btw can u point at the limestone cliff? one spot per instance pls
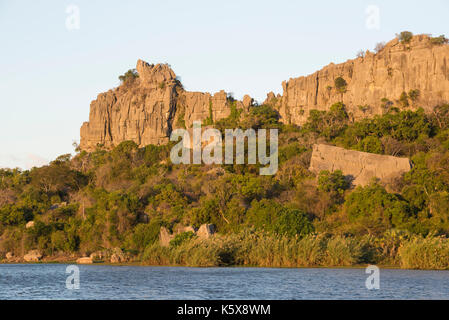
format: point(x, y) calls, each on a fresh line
point(360, 166)
point(397, 68)
point(148, 108)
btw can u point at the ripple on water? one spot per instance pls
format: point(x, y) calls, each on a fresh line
point(48, 281)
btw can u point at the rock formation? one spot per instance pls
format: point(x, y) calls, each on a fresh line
point(397, 68)
point(84, 260)
point(361, 167)
point(205, 231)
point(147, 109)
point(32, 256)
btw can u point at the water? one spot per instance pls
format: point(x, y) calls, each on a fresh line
point(48, 281)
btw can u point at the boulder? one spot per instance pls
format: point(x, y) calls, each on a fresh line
point(32, 256)
point(247, 102)
point(118, 256)
point(9, 256)
point(29, 224)
point(205, 231)
point(165, 237)
point(84, 260)
point(98, 255)
point(360, 167)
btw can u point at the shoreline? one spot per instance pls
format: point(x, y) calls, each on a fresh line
point(140, 264)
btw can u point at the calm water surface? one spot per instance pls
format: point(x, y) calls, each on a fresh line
point(48, 281)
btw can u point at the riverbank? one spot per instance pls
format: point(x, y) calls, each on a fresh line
point(255, 249)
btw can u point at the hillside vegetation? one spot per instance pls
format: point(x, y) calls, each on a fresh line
point(122, 197)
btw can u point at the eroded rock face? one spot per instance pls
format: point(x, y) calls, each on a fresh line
point(147, 109)
point(360, 166)
point(396, 69)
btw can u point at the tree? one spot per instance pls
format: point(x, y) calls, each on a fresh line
point(334, 182)
point(371, 144)
point(129, 76)
point(272, 217)
point(340, 84)
point(405, 36)
point(374, 210)
point(328, 124)
point(403, 99)
point(414, 95)
point(379, 47)
point(439, 40)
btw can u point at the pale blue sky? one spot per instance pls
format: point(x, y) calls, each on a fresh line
point(49, 74)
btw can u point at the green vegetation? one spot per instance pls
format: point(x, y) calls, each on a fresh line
point(340, 84)
point(405, 36)
point(122, 197)
point(439, 40)
point(129, 76)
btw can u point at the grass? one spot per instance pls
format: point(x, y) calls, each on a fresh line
point(250, 248)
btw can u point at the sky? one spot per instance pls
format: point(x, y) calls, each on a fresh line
point(57, 56)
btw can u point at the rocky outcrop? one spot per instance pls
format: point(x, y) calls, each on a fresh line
point(148, 108)
point(360, 167)
point(85, 260)
point(205, 231)
point(165, 237)
point(397, 68)
point(30, 224)
point(117, 255)
point(32, 256)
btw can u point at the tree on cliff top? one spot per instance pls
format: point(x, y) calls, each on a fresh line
point(130, 75)
point(405, 36)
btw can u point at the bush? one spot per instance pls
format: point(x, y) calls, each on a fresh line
point(379, 47)
point(439, 40)
point(272, 217)
point(129, 76)
point(182, 237)
point(145, 234)
point(414, 94)
point(403, 99)
point(340, 84)
point(425, 253)
point(405, 36)
point(371, 144)
point(332, 182)
point(375, 210)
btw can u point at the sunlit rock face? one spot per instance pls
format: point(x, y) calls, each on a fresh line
point(147, 109)
point(360, 167)
point(418, 65)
